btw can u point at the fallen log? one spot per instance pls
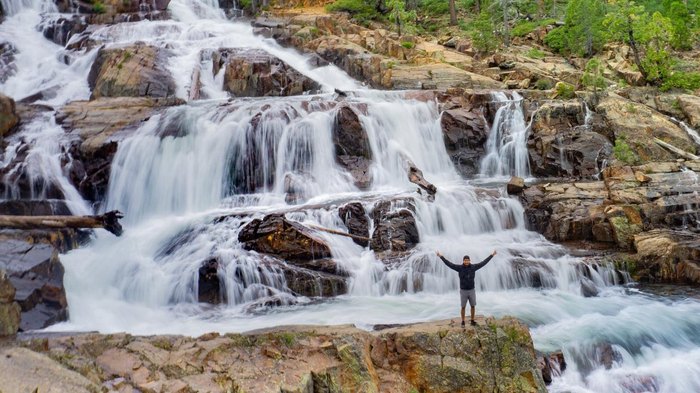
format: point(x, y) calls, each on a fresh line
point(335, 232)
point(108, 221)
point(415, 176)
point(677, 151)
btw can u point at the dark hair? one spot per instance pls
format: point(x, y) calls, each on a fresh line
point(466, 257)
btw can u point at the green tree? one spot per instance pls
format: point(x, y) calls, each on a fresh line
point(593, 76)
point(682, 21)
point(481, 32)
point(625, 23)
point(399, 15)
point(584, 26)
point(656, 35)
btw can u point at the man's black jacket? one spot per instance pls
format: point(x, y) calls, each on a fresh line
point(466, 273)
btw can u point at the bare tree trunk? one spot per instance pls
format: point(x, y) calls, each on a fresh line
point(635, 50)
point(108, 221)
point(506, 28)
point(453, 13)
point(477, 4)
point(540, 8)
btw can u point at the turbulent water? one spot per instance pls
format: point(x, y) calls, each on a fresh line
point(171, 189)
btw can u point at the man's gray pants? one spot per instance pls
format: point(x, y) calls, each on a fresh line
point(467, 294)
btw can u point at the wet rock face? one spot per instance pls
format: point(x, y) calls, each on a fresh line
point(8, 115)
point(355, 219)
point(278, 236)
point(112, 7)
point(256, 73)
point(37, 276)
point(394, 226)
point(562, 144)
point(465, 132)
point(7, 58)
point(134, 71)
point(427, 357)
point(60, 30)
point(351, 144)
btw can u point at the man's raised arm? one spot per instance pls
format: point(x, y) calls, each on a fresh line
point(446, 262)
point(483, 263)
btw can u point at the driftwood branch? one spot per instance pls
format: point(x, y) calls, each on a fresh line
point(675, 150)
point(108, 221)
point(333, 231)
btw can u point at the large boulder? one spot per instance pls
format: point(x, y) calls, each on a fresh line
point(465, 132)
point(37, 275)
point(355, 219)
point(690, 105)
point(257, 73)
point(668, 256)
point(352, 149)
point(395, 226)
point(8, 115)
point(637, 125)
point(137, 70)
point(276, 235)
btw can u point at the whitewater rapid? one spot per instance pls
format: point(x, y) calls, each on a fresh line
point(170, 186)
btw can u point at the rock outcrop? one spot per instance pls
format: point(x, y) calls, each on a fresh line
point(435, 356)
point(35, 272)
point(256, 73)
point(137, 70)
point(668, 256)
point(465, 132)
point(276, 235)
point(637, 125)
point(9, 309)
point(355, 219)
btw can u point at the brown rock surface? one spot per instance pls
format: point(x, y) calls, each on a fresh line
point(690, 105)
point(8, 115)
point(137, 70)
point(276, 235)
point(668, 256)
point(434, 356)
point(256, 73)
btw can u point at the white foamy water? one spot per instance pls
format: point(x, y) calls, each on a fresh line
point(192, 164)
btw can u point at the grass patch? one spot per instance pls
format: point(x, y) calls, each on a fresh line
point(408, 45)
point(535, 53)
point(623, 152)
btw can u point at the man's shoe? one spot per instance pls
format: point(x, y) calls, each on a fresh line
point(462, 323)
point(473, 322)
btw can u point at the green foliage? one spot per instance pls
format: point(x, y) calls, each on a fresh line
point(399, 16)
point(593, 76)
point(98, 8)
point(543, 84)
point(481, 32)
point(682, 80)
point(435, 7)
point(564, 90)
point(623, 152)
point(408, 44)
point(360, 10)
point(681, 19)
point(524, 28)
point(556, 40)
point(535, 53)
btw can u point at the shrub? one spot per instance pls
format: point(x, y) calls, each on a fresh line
point(543, 84)
point(682, 80)
point(524, 28)
point(564, 90)
point(535, 53)
point(408, 44)
point(98, 8)
point(481, 32)
point(623, 152)
point(359, 9)
point(435, 7)
point(556, 40)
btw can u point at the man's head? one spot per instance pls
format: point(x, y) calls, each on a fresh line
point(466, 260)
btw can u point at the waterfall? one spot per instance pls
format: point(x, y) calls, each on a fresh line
point(191, 177)
point(506, 147)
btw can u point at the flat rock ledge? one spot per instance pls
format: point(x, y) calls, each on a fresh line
point(496, 355)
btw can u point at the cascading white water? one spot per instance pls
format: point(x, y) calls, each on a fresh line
point(172, 185)
point(506, 147)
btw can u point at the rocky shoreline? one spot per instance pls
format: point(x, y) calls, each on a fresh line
point(440, 356)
